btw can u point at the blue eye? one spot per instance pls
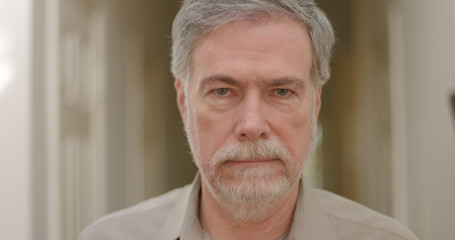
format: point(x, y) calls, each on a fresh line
point(282, 92)
point(222, 91)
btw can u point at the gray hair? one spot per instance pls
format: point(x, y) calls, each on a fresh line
point(197, 18)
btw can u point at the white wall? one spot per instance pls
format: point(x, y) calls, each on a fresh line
point(15, 109)
point(429, 72)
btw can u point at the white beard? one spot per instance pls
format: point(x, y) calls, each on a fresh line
point(250, 192)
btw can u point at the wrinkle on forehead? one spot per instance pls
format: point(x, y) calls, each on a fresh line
point(273, 82)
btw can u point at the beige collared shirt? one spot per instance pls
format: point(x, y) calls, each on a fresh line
point(319, 215)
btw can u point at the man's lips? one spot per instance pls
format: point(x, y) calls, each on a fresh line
point(252, 161)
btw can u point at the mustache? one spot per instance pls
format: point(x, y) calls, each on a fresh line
point(261, 149)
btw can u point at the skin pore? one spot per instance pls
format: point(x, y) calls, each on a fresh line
point(250, 84)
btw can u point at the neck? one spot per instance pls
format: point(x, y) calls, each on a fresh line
point(221, 224)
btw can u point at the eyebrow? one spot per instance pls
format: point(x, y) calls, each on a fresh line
point(288, 80)
point(220, 78)
point(281, 81)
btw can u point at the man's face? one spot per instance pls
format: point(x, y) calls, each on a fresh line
point(250, 109)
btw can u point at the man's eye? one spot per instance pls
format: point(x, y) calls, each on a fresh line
point(282, 92)
point(222, 91)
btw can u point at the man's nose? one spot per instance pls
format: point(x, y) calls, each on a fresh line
point(252, 121)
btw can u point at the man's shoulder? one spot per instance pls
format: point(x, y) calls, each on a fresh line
point(143, 219)
point(352, 220)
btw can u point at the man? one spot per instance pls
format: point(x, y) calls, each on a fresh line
point(249, 75)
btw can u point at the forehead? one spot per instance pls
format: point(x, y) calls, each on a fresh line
point(255, 48)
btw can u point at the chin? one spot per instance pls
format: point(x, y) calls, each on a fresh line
point(249, 193)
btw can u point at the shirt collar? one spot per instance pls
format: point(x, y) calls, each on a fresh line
point(310, 219)
point(184, 215)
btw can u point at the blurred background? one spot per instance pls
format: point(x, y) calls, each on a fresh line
point(89, 123)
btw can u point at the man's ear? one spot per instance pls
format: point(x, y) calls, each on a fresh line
point(318, 100)
point(181, 98)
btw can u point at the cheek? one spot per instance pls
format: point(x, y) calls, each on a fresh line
point(296, 132)
point(210, 131)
